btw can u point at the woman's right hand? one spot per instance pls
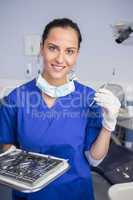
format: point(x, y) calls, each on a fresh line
point(7, 148)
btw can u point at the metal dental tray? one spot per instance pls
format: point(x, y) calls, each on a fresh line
point(28, 171)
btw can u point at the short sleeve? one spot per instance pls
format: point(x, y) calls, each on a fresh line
point(94, 125)
point(8, 119)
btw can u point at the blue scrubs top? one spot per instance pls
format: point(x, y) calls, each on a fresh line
point(66, 130)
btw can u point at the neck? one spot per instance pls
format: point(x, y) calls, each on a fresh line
point(55, 82)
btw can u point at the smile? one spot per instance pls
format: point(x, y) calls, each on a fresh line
point(57, 67)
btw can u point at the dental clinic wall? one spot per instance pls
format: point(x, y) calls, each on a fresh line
point(99, 53)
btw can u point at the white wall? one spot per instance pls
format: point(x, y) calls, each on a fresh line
point(99, 53)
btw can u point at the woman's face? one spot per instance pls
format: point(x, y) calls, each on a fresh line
point(59, 52)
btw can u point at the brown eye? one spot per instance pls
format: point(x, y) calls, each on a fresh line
point(70, 52)
point(51, 48)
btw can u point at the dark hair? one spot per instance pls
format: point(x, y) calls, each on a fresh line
point(64, 23)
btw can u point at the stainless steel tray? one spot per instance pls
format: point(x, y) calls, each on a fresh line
point(28, 171)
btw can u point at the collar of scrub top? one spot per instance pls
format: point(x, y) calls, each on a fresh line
point(55, 91)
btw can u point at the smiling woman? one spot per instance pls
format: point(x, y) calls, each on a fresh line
point(59, 50)
point(51, 115)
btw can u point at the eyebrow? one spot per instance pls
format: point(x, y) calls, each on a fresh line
point(58, 46)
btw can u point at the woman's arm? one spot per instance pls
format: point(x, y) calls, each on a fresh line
point(110, 107)
point(100, 147)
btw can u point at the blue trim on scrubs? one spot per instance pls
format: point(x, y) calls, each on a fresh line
point(65, 130)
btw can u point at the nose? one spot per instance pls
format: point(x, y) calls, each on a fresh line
point(60, 58)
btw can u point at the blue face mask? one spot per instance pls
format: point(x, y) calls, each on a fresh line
point(54, 91)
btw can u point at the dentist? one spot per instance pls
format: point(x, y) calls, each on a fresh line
point(53, 115)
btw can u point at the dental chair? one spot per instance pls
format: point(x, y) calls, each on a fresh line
point(114, 175)
point(122, 191)
point(117, 167)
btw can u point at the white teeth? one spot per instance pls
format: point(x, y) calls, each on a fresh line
point(57, 68)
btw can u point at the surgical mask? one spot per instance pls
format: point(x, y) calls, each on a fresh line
point(54, 91)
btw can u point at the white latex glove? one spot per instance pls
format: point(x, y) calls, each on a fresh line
point(111, 105)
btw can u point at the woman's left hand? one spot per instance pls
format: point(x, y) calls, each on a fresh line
point(111, 105)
